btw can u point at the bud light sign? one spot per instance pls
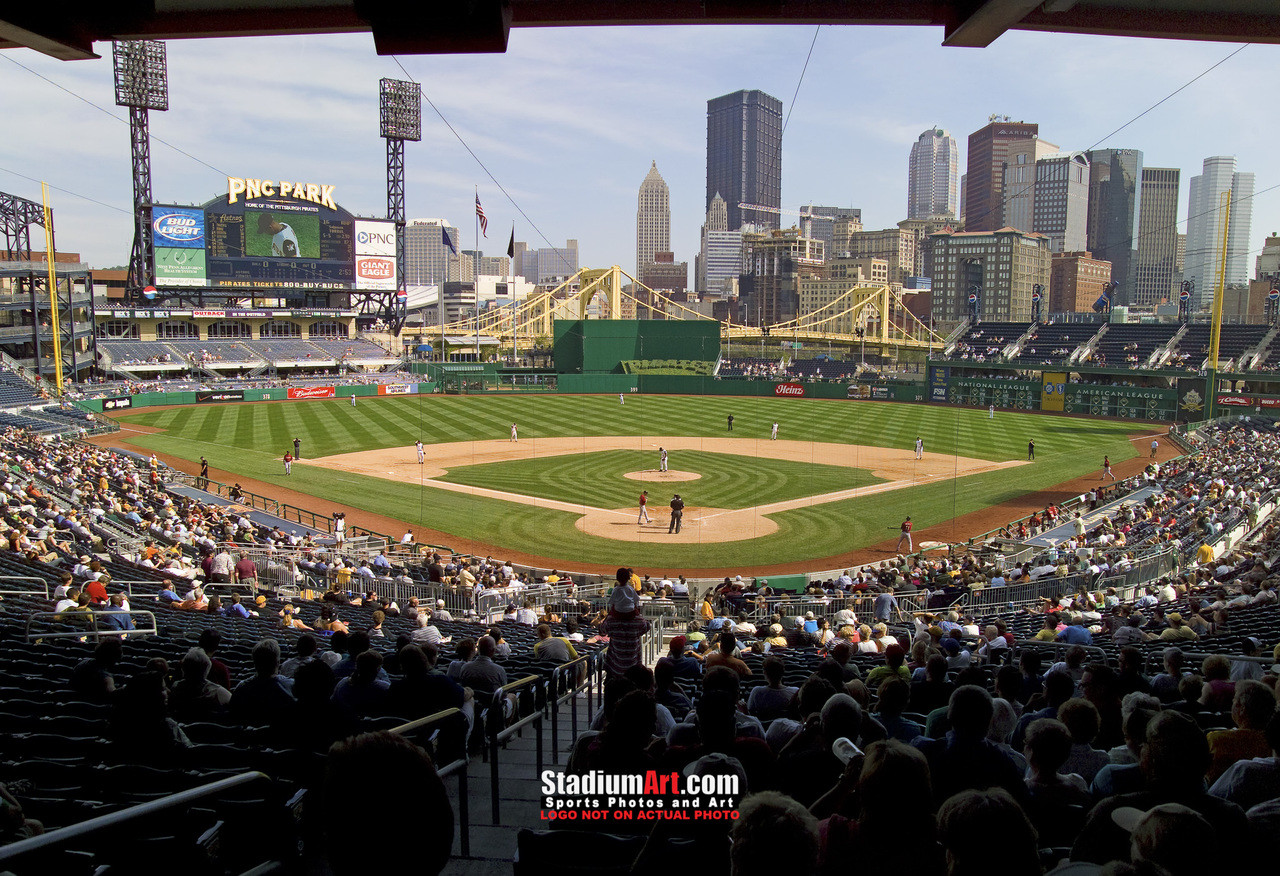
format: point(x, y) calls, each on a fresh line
point(176, 227)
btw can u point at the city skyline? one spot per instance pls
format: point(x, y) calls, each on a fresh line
point(567, 146)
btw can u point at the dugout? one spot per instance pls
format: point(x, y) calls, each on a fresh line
point(601, 346)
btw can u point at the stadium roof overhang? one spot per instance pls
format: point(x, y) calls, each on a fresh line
point(68, 29)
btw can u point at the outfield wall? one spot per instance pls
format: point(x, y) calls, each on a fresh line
point(113, 404)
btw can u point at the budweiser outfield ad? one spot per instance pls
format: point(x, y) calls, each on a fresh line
point(311, 392)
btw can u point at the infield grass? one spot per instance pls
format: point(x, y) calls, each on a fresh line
point(251, 438)
point(597, 479)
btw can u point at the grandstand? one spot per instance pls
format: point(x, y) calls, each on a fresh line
point(1189, 544)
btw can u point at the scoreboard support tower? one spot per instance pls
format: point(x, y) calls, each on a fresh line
point(141, 84)
point(400, 111)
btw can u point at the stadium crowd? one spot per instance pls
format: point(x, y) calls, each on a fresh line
point(1133, 733)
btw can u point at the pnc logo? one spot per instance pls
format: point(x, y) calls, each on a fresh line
point(376, 269)
point(375, 237)
point(793, 390)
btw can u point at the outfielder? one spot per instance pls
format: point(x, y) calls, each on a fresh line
point(773, 433)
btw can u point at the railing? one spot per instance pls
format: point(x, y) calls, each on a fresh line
point(499, 731)
point(90, 629)
point(39, 587)
point(1060, 649)
point(456, 767)
point(567, 680)
point(180, 800)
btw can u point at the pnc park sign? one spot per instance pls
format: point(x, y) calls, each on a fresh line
point(253, 189)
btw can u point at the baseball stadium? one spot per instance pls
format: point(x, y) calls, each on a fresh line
point(310, 568)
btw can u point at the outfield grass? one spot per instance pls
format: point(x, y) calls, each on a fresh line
point(596, 479)
point(251, 439)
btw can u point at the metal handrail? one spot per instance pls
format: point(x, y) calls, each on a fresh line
point(92, 629)
point(458, 767)
point(142, 810)
point(41, 590)
point(499, 736)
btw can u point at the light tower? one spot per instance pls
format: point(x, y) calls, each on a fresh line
point(400, 110)
point(142, 84)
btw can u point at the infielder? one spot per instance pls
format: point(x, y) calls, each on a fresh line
point(514, 436)
point(919, 448)
point(422, 456)
point(773, 433)
point(906, 536)
point(644, 507)
point(662, 459)
point(288, 462)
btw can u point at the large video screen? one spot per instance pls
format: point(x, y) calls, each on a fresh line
point(271, 243)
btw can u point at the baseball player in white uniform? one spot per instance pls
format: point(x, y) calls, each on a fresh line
point(422, 456)
point(662, 459)
point(514, 436)
point(919, 448)
point(773, 434)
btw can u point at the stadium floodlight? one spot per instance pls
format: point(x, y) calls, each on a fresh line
point(401, 109)
point(142, 78)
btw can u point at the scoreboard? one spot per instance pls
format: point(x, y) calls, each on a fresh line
point(272, 243)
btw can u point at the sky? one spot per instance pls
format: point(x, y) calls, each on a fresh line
point(568, 121)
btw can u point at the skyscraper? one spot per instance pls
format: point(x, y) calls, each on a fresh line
point(1157, 236)
point(744, 156)
point(719, 261)
point(1061, 201)
point(820, 222)
point(1018, 201)
point(653, 219)
point(1204, 227)
point(427, 261)
point(932, 187)
point(984, 183)
point(1115, 208)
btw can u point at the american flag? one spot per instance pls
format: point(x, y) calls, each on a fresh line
point(484, 223)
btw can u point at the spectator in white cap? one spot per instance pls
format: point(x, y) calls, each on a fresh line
point(440, 613)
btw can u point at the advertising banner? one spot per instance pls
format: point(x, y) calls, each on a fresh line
point(310, 392)
point(176, 266)
point(178, 227)
point(375, 255)
point(939, 376)
point(394, 389)
point(789, 390)
point(1250, 401)
point(224, 395)
point(117, 404)
point(1054, 392)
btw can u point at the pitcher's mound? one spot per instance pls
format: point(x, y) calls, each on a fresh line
point(699, 524)
point(654, 475)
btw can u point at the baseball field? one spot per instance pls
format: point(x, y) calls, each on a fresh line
point(840, 476)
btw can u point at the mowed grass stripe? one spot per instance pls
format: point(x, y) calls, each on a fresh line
point(803, 533)
point(597, 479)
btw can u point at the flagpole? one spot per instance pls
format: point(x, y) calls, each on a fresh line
point(475, 278)
point(515, 304)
